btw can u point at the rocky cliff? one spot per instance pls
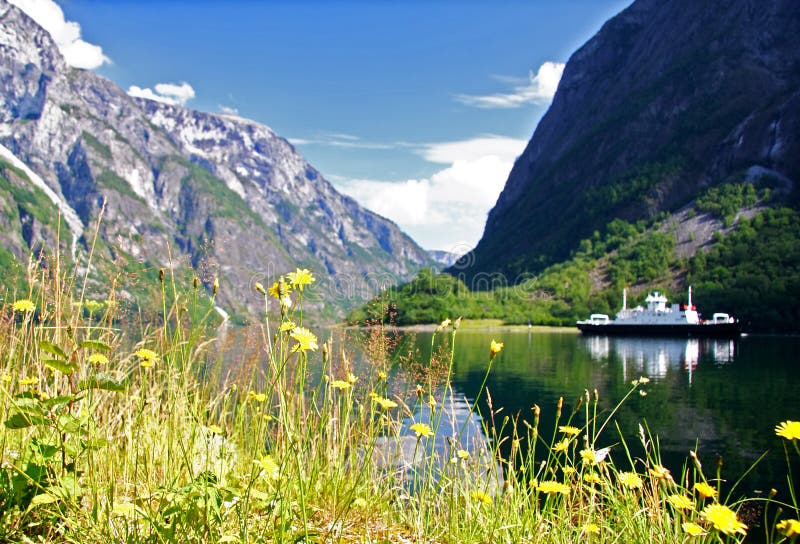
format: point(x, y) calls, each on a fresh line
point(175, 187)
point(667, 100)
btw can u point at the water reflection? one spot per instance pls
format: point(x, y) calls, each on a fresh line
point(655, 357)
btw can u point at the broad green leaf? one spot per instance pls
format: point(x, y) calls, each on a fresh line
point(60, 400)
point(43, 498)
point(102, 381)
point(53, 349)
point(95, 443)
point(60, 365)
point(100, 346)
point(22, 421)
point(69, 424)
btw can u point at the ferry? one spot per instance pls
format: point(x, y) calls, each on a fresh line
point(658, 319)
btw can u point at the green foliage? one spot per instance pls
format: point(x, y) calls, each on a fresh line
point(754, 272)
point(113, 181)
point(725, 201)
point(102, 149)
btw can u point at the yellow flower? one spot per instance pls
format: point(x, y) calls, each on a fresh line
point(789, 430)
point(422, 429)
point(591, 478)
point(662, 473)
point(692, 529)
point(481, 497)
point(569, 430)
point(495, 348)
point(592, 457)
point(631, 480)
point(463, 454)
point(592, 528)
point(123, 509)
point(216, 429)
point(306, 340)
point(552, 486)
point(382, 375)
point(300, 278)
point(145, 354)
point(259, 287)
point(681, 502)
point(568, 470)
point(93, 305)
point(705, 490)
point(723, 519)
point(98, 358)
point(257, 397)
point(563, 445)
point(269, 466)
point(23, 305)
point(287, 326)
point(275, 289)
point(7, 378)
point(359, 503)
point(789, 527)
point(351, 378)
point(384, 403)
point(340, 384)
point(29, 381)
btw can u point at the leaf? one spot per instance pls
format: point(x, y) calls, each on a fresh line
point(99, 346)
point(95, 443)
point(102, 381)
point(69, 424)
point(60, 400)
point(43, 498)
point(60, 365)
point(52, 349)
point(22, 421)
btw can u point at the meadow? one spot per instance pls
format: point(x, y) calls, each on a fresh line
point(118, 430)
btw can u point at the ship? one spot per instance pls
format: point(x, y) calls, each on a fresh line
point(658, 319)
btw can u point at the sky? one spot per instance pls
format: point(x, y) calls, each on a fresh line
point(417, 109)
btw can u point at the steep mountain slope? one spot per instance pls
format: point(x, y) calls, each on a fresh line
point(224, 195)
point(668, 99)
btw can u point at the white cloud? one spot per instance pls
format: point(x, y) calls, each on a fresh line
point(338, 139)
point(448, 209)
point(228, 110)
point(66, 34)
point(169, 93)
point(539, 89)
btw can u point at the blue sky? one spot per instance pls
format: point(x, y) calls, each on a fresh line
point(415, 108)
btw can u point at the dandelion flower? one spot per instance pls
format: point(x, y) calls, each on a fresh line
point(789, 430)
point(591, 478)
point(98, 358)
point(568, 470)
point(7, 378)
point(257, 397)
point(463, 454)
point(481, 497)
point(23, 305)
point(552, 487)
point(351, 378)
point(592, 528)
point(341, 384)
point(300, 278)
point(29, 381)
point(692, 529)
point(681, 502)
point(147, 355)
point(631, 480)
point(382, 375)
point(287, 326)
point(495, 347)
point(723, 519)
point(277, 289)
point(789, 527)
point(562, 445)
point(270, 468)
point(384, 403)
point(704, 490)
point(569, 430)
point(592, 457)
point(422, 429)
point(306, 340)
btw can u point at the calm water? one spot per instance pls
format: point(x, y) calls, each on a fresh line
point(720, 397)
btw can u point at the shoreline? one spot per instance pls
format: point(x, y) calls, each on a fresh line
point(475, 325)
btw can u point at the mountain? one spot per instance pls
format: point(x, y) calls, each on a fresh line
point(444, 258)
point(667, 100)
point(144, 185)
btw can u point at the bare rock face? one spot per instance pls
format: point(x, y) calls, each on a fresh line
point(666, 100)
point(223, 195)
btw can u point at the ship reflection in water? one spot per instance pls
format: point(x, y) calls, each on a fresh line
point(654, 357)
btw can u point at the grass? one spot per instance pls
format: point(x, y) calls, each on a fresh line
point(165, 436)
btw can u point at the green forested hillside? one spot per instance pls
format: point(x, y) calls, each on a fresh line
point(753, 272)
